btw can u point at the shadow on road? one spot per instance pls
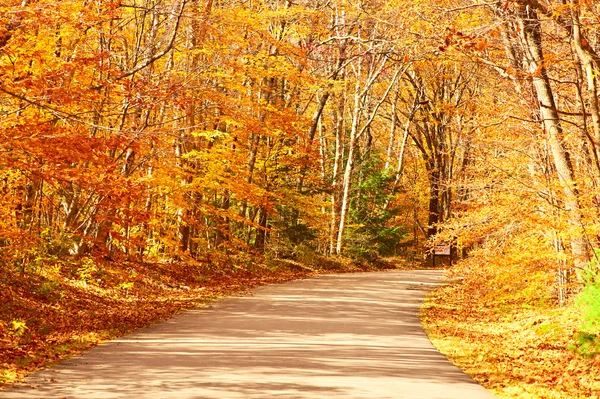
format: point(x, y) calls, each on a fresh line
point(341, 336)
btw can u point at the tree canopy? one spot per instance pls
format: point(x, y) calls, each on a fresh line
point(165, 131)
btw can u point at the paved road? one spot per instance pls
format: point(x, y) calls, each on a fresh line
point(336, 336)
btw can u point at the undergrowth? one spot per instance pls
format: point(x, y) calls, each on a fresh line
point(587, 340)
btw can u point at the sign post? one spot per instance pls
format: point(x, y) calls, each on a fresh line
point(442, 252)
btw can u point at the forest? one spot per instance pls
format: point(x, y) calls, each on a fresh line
point(156, 153)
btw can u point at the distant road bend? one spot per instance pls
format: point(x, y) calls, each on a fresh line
point(335, 336)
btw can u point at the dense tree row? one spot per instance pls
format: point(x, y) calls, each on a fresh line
point(174, 129)
point(181, 129)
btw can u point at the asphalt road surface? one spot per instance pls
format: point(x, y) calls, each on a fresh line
point(334, 336)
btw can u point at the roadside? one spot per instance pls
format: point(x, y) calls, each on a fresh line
point(514, 351)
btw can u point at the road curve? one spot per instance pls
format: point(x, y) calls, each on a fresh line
point(333, 336)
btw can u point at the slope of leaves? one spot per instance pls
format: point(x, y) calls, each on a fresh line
point(517, 351)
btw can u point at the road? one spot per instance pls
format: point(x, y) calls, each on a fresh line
point(333, 336)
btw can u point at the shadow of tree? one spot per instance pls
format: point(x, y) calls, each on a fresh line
point(343, 336)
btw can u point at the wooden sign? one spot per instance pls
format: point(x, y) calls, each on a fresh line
point(442, 249)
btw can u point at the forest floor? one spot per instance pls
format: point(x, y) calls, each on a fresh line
point(53, 312)
point(514, 351)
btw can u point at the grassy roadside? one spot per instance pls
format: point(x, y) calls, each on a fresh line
point(516, 352)
point(49, 314)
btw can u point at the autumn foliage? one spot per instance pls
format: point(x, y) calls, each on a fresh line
point(206, 136)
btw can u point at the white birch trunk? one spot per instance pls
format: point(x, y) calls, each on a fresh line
point(530, 36)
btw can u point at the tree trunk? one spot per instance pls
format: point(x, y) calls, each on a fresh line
point(349, 168)
point(531, 39)
point(338, 118)
point(261, 233)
